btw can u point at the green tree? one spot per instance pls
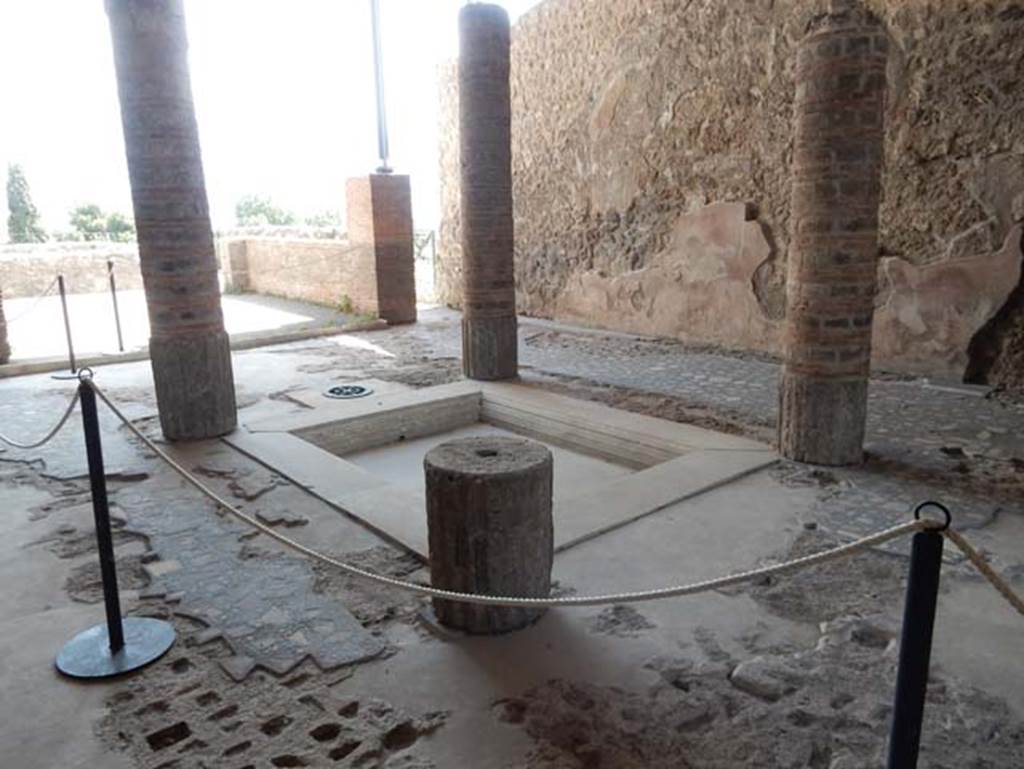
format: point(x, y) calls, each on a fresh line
point(328, 218)
point(90, 222)
point(120, 228)
point(256, 211)
point(22, 218)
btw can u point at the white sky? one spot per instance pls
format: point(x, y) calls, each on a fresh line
point(283, 91)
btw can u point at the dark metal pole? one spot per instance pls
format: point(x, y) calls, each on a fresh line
point(123, 645)
point(915, 649)
point(378, 78)
point(67, 322)
point(101, 515)
point(113, 296)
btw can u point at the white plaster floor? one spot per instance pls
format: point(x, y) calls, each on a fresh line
point(36, 330)
point(401, 464)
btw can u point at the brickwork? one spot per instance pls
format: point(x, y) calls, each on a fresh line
point(489, 349)
point(189, 348)
point(831, 282)
point(379, 216)
point(327, 272)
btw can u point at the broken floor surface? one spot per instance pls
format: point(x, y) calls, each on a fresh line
point(749, 677)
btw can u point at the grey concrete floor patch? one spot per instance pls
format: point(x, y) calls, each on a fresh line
point(26, 413)
point(856, 502)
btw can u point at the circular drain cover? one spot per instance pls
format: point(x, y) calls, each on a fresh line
point(344, 392)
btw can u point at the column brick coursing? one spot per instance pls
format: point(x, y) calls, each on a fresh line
point(489, 342)
point(831, 281)
point(379, 220)
point(189, 348)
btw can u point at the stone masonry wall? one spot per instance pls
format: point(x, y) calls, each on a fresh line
point(331, 271)
point(27, 270)
point(652, 145)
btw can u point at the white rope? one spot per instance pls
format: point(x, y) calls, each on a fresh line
point(490, 600)
point(34, 304)
point(53, 431)
point(976, 558)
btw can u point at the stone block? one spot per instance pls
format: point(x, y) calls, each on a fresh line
point(489, 524)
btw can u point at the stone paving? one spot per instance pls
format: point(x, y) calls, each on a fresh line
point(265, 609)
point(903, 414)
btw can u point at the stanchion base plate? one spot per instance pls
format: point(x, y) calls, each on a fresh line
point(87, 655)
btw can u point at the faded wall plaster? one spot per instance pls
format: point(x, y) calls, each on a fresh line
point(707, 264)
point(631, 116)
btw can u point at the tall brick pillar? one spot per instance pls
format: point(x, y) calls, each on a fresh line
point(837, 159)
point(188, 346)
point(379, 218)
point(5, 347)
point(489, 343)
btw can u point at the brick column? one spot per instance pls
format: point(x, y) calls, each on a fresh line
point(489, 343)
point(188, 346)
point(830, 290)
point(379, 220)
point(5, 347)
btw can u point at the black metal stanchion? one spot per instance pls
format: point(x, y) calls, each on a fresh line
point(67, 322)
point(113, 296)
point(916, 643)
point(120, 645)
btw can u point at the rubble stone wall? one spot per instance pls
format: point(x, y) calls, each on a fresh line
point(329, 271)
point(27, 270)
point(652, 148)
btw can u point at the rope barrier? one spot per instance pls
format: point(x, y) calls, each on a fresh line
point(637, 596)
point(979, 562)
point(34, 304)
point(593, 600)
point(841, 551)
point(53, 431)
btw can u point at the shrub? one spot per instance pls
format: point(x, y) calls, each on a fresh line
point(89, 222)
point(256, 211)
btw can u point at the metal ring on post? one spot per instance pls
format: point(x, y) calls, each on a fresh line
point(83, 374)
point(940, 506)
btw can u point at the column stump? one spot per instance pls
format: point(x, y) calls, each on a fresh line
point(490, 529)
